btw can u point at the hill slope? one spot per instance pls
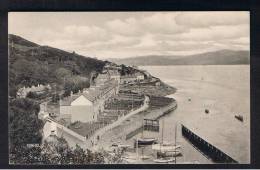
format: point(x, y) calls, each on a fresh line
point(32, 64)
point(222, 57)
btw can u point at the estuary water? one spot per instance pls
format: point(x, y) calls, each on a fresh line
point(222, 89)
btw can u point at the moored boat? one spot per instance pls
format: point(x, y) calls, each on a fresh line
point(145, 141)
point(239, 117)
point(163, 160)
point(165, 147)
point(169, 153)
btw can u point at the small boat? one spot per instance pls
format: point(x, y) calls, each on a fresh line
point(123, 146)
point(144, 157)
point(130, 159)
point(165, 148)
point(239, 117)
point(169, 153)
point(164, 160)
point(206, 111)
point(145, 141)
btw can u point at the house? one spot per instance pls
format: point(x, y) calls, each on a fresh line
point(112, 66)
point(107, 75)
point(127, 79)
point(102, 78)
point(53, 130)
point(147, 75)
point(85, 106)
point(77, 107)
point(114, 74)
point(139, 76)
point(130, 78)
point(39, 89)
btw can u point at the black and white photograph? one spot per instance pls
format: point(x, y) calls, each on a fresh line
point(129, 87)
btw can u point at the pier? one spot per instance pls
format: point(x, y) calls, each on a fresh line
point(151, 125)
point(154, 116)
point(210, 151)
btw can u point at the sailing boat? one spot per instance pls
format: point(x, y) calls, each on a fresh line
point(167, 150)
point(165, 146)
point(143, 140)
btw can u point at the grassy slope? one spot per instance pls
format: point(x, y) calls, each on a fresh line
point(30, 64)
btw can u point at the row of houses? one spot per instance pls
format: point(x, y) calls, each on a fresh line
point(86, 105)
point(114, 74)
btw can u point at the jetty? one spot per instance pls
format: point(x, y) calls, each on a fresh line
point(152, 115)
point(207, 149)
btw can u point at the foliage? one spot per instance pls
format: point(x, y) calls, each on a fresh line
point(56, 152)
point(31, 64)
point(25, 127)
point(38, 96)
point(75, 84)
point(127, 70)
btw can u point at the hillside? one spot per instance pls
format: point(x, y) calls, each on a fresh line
point(32, 64)
point(221, 57)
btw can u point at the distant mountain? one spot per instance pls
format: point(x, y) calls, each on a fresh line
point(221, 57)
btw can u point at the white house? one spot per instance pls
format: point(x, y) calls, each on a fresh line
point(139, 76)
point(52, 129)
point(77, 108)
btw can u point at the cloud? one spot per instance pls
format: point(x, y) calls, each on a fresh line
point(130, 26)
point(208, 19)
point(140, 33)
point(157, 23)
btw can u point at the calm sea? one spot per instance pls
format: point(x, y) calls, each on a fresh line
point(222, 89)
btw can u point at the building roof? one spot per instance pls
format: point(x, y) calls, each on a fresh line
point(103, 76)
point(92, 93)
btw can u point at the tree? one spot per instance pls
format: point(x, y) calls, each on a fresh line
point(25, 127)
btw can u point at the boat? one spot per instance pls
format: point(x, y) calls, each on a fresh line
point(120, 145)
point(143, 157)
point(130, 159)
point(123, 146)
point(165, 148)
point(239, 117)
point(164, 160)
point(145, 141)
point(169, 153)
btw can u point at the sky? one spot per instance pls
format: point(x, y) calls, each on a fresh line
point(130, 34)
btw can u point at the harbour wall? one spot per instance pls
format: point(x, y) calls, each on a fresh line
point(206, 148)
